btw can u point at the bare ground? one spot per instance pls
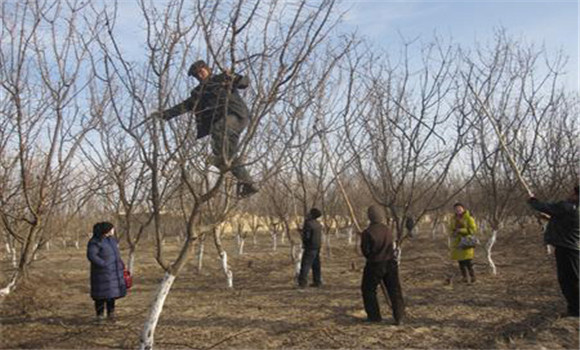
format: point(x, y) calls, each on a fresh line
point(518, 308)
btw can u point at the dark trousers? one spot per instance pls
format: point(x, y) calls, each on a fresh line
point(225, 135)
point(100, 306)
point(310, 260)
point(466, 267)
point(567, 266)
point(388, 273)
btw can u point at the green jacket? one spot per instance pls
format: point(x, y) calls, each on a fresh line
point(458, 228)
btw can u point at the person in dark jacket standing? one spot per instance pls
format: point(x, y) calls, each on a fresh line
point(220, 112)
point(378, 248)
point(311, 242)
point(562, 232)
point(107, 282)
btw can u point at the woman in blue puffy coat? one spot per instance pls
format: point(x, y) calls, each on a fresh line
point(107, 282)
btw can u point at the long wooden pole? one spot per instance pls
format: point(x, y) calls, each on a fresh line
point(502, 142)
point(347, 200)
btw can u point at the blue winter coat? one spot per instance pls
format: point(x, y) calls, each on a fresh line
point(107, 280)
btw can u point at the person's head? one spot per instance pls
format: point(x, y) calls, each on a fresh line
point(376, 214)
point(200, 70)
point(459, 208)
point(314, 213)
point(103, 229)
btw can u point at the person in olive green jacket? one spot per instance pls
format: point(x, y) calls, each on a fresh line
point(462, 228)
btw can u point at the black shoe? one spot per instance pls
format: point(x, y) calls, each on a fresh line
point(374, 320)
point(245, 190)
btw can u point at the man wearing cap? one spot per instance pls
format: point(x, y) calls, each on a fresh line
point(311, 242)
point(378, 248)
point(562, 232)
point(220, 112)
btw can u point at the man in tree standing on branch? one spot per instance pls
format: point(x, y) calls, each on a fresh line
point(311, 242)
point(563, 233)
point(377, 246)
point(220, 112)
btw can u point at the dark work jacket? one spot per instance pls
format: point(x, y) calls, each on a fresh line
point(377, 243)
point(107, 280)
point(212, 100)
point(311, 234)
point(562, 230)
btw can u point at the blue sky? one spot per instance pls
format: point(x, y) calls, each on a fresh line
point(553, 23)
point(550, 23)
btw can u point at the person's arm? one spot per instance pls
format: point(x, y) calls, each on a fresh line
point(552, 209)
point(241, 81)
point(93, 255)
point(366, 244)
point(306, 234)
point(471, 226)
point(183, 107)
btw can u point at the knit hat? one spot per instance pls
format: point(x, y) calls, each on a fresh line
point(195, 67)
point(376, 214)
point(102, 228)
point(315, 213)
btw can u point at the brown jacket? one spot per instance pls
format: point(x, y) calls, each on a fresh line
point(377, 243)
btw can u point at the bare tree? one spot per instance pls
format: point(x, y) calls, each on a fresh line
point(42, 76)
point(508, 85)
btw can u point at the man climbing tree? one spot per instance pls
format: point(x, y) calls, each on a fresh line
point(220, 112)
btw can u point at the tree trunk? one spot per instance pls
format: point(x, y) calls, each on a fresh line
point(200, 250)
point(241, 246)
point(6, 290)
point(224, 258)
point(327, 244)
point(297, 265)
point(274, 241)
point(488, 245)
point(146, 339)
point(131, 264)
point(350, 234)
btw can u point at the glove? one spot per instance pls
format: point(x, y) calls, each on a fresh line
point(156, 115)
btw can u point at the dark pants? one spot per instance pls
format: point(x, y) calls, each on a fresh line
point(100, 306)
point(466, 267)
point(310, 260)
point(567, 266)
point(388, 273)
point(225, 135)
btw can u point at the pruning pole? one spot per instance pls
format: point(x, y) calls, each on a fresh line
point(502, 143)
point(347, 201)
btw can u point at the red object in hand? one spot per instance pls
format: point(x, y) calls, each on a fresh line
point(128, 278)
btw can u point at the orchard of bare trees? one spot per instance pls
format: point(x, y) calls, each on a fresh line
point(336, 123)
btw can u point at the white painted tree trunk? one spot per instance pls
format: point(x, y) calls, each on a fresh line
point(131, 265)
point(14, 258)
point(328, 246)
point(200, 250)
point(241, 246)
point(488, 247)
point(254, 240)
point(146, 339)
point(226, 269)
point(274, 241)
point(548, 249)
point(77, 244)
point(6, 290)
point(297, 265)
point(350, 234)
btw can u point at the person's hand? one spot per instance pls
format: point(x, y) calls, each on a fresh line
point(156, 115)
